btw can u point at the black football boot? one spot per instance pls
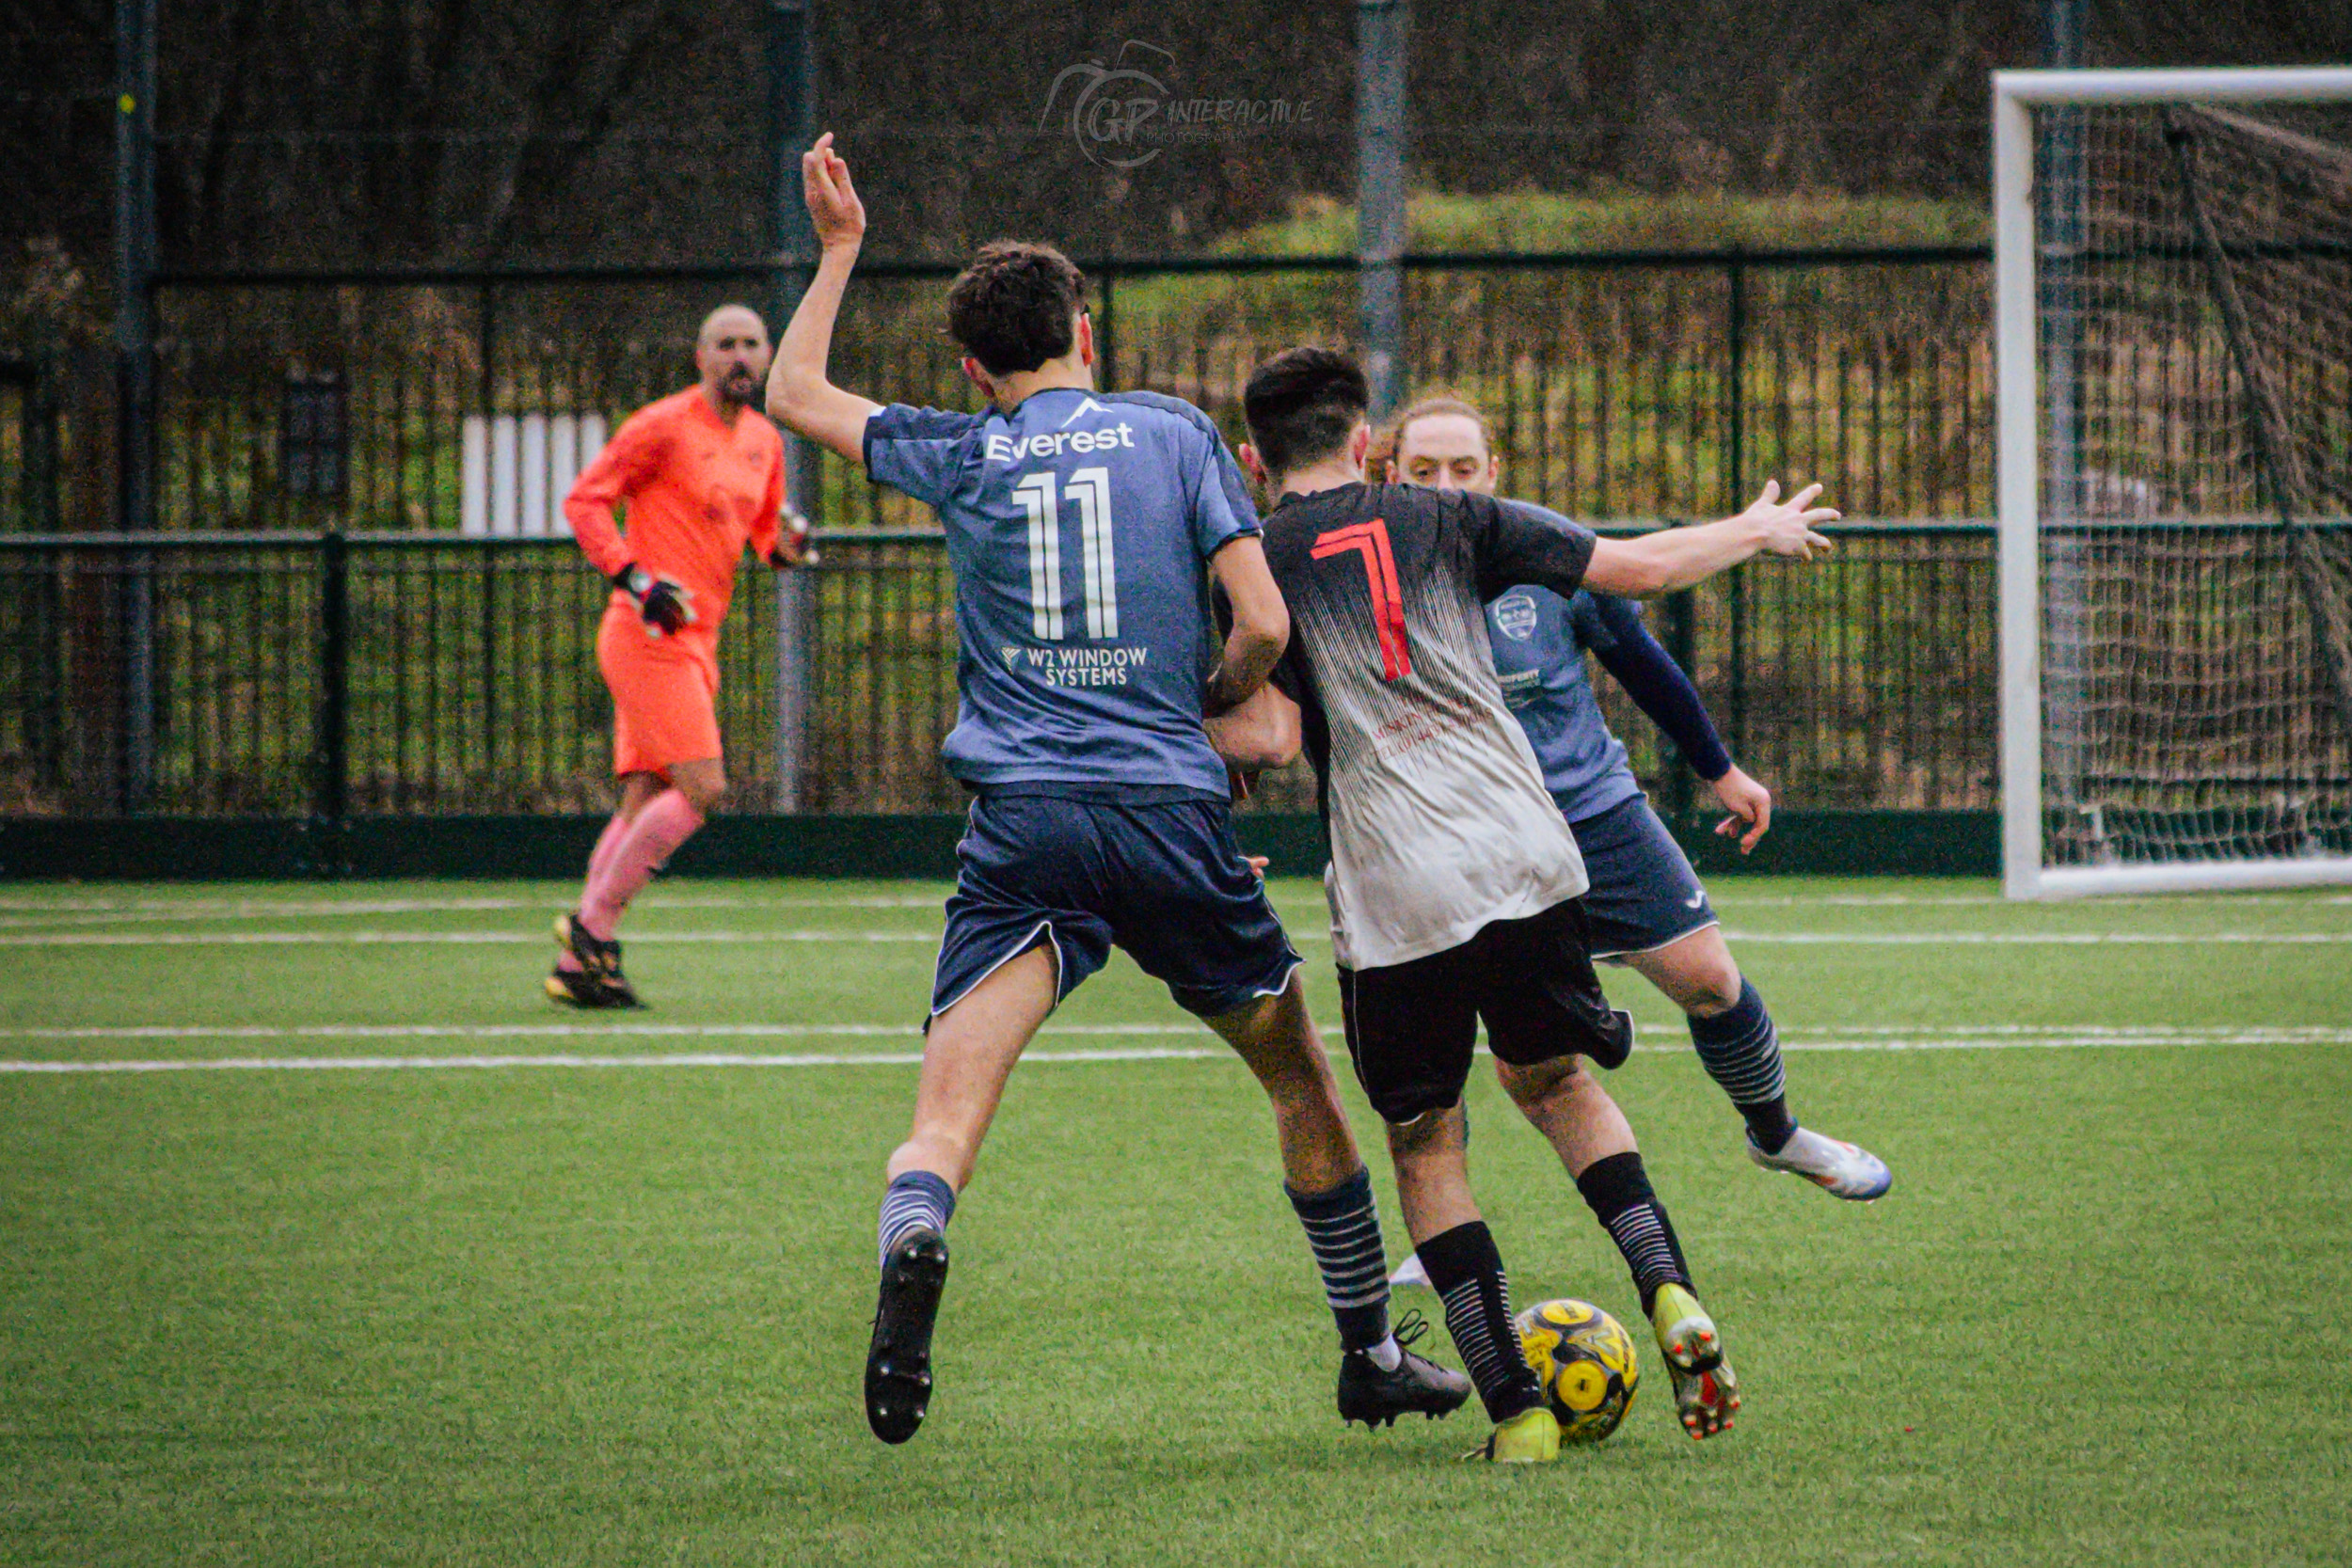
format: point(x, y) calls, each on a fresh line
point(1377, 1398)
point(899, 1362)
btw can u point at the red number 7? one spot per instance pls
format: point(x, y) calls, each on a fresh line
point(1371, 541)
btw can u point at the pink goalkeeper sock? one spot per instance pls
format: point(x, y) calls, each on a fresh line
point(667, 822)
point(599, 861)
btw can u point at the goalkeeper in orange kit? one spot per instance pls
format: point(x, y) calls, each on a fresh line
point(700, 475)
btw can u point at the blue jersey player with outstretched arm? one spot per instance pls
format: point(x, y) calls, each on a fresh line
point(1646, 905)
point(1083, 529)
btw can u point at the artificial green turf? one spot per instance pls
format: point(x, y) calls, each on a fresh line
point(616, 1315)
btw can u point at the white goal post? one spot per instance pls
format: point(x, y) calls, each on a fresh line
point(2173, 342)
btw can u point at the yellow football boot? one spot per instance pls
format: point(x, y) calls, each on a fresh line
point(1707, 1391)
point(1530, 1437)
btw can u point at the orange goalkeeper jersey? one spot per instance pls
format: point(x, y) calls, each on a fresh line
point(697, 492)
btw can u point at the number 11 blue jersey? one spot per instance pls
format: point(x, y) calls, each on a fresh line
point(1079, 529)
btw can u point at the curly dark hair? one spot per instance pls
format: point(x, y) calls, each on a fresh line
point(1302, 405)
point(1011, 308)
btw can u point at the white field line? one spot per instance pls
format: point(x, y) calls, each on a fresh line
point(2058, 1039)
point(21, 911)
point(18, 913)
point(460, 938)
point(568, 1059)
point(931, 938)
point(2036, 939)
point(1834, 1036)
point(548, 1031)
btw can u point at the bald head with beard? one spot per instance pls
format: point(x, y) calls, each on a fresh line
point(731, 354)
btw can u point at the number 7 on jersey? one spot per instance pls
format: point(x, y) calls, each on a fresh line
point(1371, 541)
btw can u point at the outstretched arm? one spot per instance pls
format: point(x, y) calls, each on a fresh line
point(1658, 685)
point(799, 395)
point(1674, 558)
point(1661, 688)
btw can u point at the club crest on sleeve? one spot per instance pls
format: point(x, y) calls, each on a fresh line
point(1514, 616)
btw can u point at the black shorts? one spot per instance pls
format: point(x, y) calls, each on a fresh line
point(1411, 1028)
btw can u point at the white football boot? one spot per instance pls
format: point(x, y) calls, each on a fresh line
point(1410, 1272)
point(1841, 1169)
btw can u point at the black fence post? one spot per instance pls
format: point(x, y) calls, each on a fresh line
point(792, 242)
point(1735, 478)
point(37, 437)
point(332, 800)
point(490, 656)
point(1106, 330)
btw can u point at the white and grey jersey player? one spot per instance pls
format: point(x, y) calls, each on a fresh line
point(1439, 820)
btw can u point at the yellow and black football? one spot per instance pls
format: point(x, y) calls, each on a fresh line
point(1587, 1364)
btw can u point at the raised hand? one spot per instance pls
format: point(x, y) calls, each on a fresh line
point(834, 206)
point(1787, 526)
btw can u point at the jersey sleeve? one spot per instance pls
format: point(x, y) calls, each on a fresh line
point(916, 451)
point(1221, 509)
point(1516, 542)
point(1596, 619)
point(768, 521)
point(626, 462)
point(1613, 629)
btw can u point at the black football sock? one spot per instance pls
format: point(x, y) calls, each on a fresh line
point(1741, 1051)
point(1466, 1271)
point(1619, 1192)
point(1342, 1228)
point(916, 1201)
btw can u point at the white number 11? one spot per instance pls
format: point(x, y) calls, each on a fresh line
point(1089, 491)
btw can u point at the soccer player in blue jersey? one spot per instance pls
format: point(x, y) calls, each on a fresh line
point(1646, 906)
point(1083, 528)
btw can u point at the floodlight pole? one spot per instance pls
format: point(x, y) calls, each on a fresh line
point(134, 383)
point(792, 245)
point(1380, 226)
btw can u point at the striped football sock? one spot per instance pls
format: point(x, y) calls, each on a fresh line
point(1619, 1192)
point(916, 1201)
point(1343, 1229)
point(1466, 1271)
point(1741, 1050)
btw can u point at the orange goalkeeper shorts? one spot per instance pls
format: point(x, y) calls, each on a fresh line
point(664, 694)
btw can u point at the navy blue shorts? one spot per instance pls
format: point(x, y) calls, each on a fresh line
point(1166, 882)
point(1644, 894)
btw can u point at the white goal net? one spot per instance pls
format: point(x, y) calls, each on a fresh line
point(2176, 328)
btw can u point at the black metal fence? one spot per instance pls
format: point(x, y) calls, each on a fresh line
point(344, 607)
point(30, 438)
point(332, 676)
point(1627, 384)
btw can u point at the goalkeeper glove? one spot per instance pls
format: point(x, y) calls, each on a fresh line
point(666, 604)
point(792, 545)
